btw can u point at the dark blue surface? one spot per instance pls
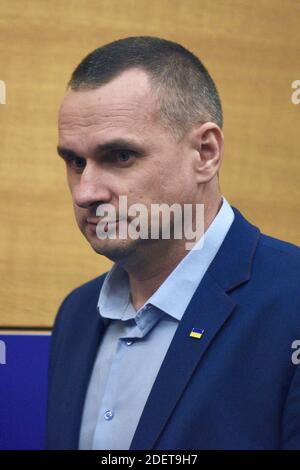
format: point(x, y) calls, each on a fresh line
point(23, 391)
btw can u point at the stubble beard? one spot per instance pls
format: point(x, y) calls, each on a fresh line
point(116, 250)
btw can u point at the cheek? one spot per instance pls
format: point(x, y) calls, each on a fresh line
point(79, 214)
point(174, 183)
point(71, 186)
point(164, 183)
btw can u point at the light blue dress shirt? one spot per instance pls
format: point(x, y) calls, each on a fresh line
point(135, 342)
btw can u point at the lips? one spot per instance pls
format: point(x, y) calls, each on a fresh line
point(93, 220)
point(96, 220)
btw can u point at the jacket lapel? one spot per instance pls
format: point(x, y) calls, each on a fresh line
point(80, 349)
point(209, 309)
point(83, 359)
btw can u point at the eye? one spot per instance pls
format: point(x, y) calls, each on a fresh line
point(124, 155)
point(77, 163)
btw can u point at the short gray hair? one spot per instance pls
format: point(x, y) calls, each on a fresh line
point(186, 93)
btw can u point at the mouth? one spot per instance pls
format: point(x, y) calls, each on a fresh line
point(103, 225)
point(97, 220)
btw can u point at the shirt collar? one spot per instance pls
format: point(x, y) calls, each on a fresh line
point(175, 293)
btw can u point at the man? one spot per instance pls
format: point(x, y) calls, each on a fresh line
point(174, 348)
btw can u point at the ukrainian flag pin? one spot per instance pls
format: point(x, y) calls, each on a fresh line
point(196, 333)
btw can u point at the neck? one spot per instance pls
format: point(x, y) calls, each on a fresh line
point(150, 270)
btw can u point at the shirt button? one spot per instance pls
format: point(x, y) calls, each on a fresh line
point(129, 343)
point(108, 415)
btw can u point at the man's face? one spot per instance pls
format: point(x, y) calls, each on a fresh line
point(114, 144)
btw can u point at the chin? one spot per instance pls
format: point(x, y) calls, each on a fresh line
point(115, 250)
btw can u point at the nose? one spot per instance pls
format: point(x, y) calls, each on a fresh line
point(91, 188)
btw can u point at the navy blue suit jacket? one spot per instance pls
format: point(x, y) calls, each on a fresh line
point(236, 388)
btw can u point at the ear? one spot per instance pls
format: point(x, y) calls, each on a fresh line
point(207, 141)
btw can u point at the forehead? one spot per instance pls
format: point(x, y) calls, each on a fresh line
point(124, 105)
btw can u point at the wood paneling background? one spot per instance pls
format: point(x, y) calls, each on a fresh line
point(251, 48)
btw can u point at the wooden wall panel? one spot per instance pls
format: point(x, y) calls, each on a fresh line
point(252, 49)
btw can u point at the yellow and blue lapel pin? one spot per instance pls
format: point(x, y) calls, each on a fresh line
point(196, 333)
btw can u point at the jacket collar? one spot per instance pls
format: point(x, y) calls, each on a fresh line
point(232, 265)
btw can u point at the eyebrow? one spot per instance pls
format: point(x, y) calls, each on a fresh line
point(116, 144)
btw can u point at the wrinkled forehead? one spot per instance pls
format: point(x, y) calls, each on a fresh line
point(125, 102)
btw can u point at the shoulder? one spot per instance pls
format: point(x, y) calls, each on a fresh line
point(276, 272)
point(80, 301)
point(280, 246)
point(265, 247)
point(274, 264)
point(279, 252)
point(85, 292)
